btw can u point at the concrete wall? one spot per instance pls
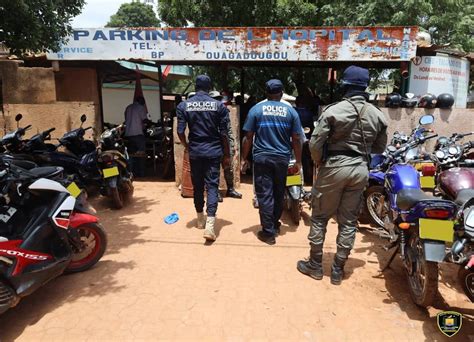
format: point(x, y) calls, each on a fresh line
point(76, 84)
point(179, 151)
point(115, 100)
point(62, 115)
point(27, 85)
point(447, 121)
point(48, 99)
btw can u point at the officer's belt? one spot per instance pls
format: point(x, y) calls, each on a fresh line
point(347, 153)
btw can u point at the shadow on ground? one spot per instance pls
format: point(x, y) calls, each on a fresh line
point(96, 282)
point(398, 292)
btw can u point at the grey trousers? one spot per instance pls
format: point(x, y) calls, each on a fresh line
point(337, 191)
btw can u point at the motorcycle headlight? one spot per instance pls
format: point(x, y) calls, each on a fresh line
point(453, 150)
point(469, 219)
point(440, 154)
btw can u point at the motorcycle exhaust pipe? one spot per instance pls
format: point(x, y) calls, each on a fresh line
point(458, 246)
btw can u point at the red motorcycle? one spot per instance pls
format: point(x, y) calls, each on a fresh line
point(455, 181)
point(44, 232)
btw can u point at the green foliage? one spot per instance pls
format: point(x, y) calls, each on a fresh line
point(36, 25)
point(134, 14)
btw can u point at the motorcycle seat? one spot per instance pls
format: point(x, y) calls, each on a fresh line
point(407, 198)
point(464, 196)
point(46, 171)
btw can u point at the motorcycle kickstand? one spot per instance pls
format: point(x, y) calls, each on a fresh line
point(392, 257)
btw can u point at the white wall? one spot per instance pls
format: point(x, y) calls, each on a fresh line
point(115, 100)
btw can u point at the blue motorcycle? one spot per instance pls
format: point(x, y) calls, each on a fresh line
point(418, 225)
point(375, 209)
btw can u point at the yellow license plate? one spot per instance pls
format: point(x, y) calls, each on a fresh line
point(110, 172)
point(294, 180)
point(436, 229)
point(427, 182)
point(73, 190)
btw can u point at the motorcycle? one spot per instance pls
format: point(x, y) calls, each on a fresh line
point(113, 161)
point(162, 135)
point(374, 208)
point(42, 233)
point(455, 182)
point(417, 225)
point(103, 170)
point(295, 194)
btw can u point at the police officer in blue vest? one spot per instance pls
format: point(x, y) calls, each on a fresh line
point(276, 127)
point(207, 120)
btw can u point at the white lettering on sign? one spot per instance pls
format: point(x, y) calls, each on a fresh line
point(275, 110)
point(201, 106)
point(252, 44)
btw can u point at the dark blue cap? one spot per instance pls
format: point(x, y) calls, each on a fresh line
point(355, 75)
point(274, 86)
point(203, 82)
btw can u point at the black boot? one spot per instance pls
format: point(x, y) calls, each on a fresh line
point(337, 269)
point(232, 193)
point(219, 197)
point(314, 266)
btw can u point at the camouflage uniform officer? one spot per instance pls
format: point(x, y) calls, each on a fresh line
point(337, 146)
point(229, 170)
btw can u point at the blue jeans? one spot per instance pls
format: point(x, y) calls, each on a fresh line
point(270, 181)
point(205, 175)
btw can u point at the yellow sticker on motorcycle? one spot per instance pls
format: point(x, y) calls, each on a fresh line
point(73, 190)
point(439, 230)
point(111, 172)
point(427, 182)
point(294, 180)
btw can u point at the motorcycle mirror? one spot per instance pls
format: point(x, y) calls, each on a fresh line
point(409, 95)
point(426, 119)
point(18, 117)
point(83, 118)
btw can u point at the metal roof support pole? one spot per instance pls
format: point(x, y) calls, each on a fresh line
point(160, 90)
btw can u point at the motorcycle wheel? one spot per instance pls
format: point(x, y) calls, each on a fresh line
point(93, 245)
point(422, 275)
point(117, 198)
point(466, 278)
point(375, 206)
point(295, 211)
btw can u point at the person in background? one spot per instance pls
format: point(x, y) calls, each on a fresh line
point(307, 121)
point(136, 116)
point(229, 170)
point(345, 135)
point(277, 130)
point(208, 145)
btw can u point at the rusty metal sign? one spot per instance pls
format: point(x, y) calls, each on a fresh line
point(249, 44)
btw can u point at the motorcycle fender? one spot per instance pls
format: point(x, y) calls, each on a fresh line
point(434, 251)
point(295, 192)
point(78, 219)
point(112, 182)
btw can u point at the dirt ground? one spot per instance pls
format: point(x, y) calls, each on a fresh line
point(160, 281)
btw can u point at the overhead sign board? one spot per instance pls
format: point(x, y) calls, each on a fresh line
point(440, 74)
point(249, 44)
